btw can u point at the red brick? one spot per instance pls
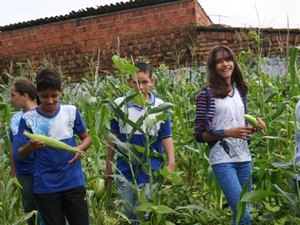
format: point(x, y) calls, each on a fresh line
point(148, 31)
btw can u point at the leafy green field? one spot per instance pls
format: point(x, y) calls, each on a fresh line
point(194, 196)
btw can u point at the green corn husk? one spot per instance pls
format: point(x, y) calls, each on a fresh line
point(251, 120)
point(50, 142)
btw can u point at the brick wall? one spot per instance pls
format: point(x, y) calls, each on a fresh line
point(69, 43)
point(169, 33)
point(273, 42)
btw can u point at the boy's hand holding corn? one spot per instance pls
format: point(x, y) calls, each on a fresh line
point(76, 157)
point(35, 144)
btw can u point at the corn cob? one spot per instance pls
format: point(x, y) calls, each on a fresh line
point(56, 144)
point(251, 120)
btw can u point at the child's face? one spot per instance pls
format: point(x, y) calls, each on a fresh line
point(49, 99)
point(16, 99)
point(142, 83)
point(224, 65)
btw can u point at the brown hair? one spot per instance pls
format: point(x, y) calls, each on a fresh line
point(24, 86)
point(215, 82)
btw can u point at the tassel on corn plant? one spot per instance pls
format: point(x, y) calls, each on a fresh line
point(53, 143)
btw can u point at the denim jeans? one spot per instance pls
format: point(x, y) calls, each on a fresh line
point(28, 198)
point(232, 177)
point(130, 198)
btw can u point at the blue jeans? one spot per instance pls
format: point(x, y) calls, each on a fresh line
point(131, 201)
point(232, 177)
point(28, 198)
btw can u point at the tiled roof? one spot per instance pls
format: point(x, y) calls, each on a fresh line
point(100, 10)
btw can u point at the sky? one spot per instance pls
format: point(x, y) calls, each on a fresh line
point(235, 13)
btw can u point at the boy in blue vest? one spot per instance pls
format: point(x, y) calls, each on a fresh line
point(59, 183)
point(142, 83)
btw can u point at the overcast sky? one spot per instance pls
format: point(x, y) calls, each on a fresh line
point(236, 13)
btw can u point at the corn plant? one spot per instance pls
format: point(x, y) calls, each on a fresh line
point(195, 198)
point(273, 149)
point(137, 154)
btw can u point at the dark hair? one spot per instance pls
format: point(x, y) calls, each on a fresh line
point(24, 86)
point(144, 67)
point(215, 82)
point(48, 79)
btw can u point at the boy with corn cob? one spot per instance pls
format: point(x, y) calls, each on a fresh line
point(59, 183)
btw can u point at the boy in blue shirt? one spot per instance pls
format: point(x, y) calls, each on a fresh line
point(23, 95)
point(142, 83)
point(59, 183)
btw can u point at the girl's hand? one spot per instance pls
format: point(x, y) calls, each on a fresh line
point(239, 132)
point(261, 125)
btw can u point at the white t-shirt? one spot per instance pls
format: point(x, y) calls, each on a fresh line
point(229, 113)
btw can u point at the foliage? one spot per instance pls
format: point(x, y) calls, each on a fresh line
point(193, 197)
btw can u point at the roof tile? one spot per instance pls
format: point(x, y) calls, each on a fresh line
point(90, 11)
